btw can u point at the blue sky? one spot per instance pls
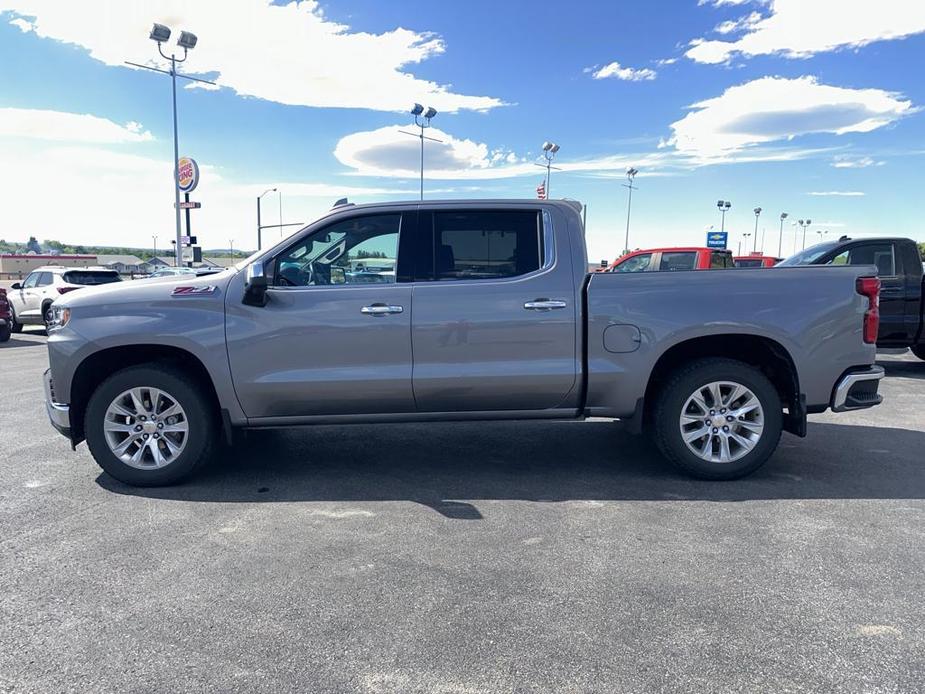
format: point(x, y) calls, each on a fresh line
point(806, 106)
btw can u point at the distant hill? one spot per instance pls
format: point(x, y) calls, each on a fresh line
point(52, 246)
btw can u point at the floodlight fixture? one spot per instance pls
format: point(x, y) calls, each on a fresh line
point(187, 40)
point(784, 215)
point(417, 110)
point(554, 148)
point(547, 146)
point(159, 33)
point(757, 211)
point(430, 112)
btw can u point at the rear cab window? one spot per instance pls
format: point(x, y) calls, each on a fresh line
point(881, 255)
point(720, 260)
point(677, 260)
point(90, 277)
point(455, 245)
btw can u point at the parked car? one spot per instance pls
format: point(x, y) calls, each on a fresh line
point(6, 316)
point(756, 260)
point(492, 315)
point(31, 298)
point(902, 292)
point(672, 259)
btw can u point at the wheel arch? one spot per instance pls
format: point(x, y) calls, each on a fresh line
point(764, 353)
point(97, 367)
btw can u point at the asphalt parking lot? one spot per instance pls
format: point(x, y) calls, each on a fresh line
point(476, 557)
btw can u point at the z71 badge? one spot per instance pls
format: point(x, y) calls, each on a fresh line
point(193, 291)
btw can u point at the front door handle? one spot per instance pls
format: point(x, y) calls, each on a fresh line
point(381, 309)
point(544, 304)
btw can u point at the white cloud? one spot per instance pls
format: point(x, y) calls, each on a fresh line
point(733, 25)
point(837, 194)
point(844, 161)
point(772, 109)
point(289, 53)
point(628, 74)
point(729, 3)
point(661, 62)
point(70, 127)
point(801, 28)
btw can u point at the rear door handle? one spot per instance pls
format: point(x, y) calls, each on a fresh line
point(381, 309)
point(544, 304)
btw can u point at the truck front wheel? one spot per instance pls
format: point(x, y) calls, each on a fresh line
point(919, 351)
point(149, 426)
point(717, 419)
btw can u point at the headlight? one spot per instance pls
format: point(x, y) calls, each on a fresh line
point(58, 317)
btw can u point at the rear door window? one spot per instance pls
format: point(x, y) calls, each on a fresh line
point(680, 260)
point(31, 280)
point(45, 279)
point(638, 263)
point(91, 277)
point(482, 245)
point(879, 254)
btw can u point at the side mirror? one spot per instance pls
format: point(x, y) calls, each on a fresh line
point(255, 287)
point(16, 285)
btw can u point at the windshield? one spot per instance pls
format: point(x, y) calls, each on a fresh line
point(809, 255)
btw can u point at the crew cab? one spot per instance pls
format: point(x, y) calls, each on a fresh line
point(672, 259)
point(490, 314)
point(902, 292)
point(755, 260)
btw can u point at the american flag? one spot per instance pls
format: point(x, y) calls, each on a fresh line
point(541, 190)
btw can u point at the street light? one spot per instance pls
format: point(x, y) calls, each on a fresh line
point(723, 206)
point(259, 226)
point(808, 222)
point(757, 212)
point(422, 119)
point(630, 175)
point(155, 245)
point(745, 239)
point(780, 240)
point(187, 41)
point(549, 153)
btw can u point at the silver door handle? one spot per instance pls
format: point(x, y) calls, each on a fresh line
point(381, 310)
point(544, 304)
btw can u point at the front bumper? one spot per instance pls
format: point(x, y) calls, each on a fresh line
point(58, 413)
point(857, 390)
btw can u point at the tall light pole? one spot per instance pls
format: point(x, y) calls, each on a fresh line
point(187, 41)
point(822, 235)
point(757, 212)
point(549, 153)
point(259, 225)
point(155, 245)
point(231, 247)
point(780, 240)
point(723, 206)
point(280, 193)
point(630, 175)
point(808, 222)
point(422, 118)
point(745, 239)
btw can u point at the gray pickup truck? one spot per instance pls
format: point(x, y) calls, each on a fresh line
point(456, 311)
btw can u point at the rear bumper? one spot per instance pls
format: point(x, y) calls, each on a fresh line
point(58, 413)
point(857, 390)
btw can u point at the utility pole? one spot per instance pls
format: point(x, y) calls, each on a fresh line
point(630, 176)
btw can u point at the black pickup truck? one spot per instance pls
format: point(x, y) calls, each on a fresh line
point(902, 293)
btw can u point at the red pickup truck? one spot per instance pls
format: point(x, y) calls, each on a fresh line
point(672, 259)
point(6, 318)
point(756, 260)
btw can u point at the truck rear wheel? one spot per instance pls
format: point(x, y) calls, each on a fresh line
point(149, 426)
point(15, 325)
point(718, 419)
point(919, 351)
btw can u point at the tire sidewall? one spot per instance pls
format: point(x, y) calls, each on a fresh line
point(196, 406)
point(15, 325)
point(5, 332)
point(673, 399)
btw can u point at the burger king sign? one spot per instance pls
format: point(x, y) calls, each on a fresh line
point(187, 174)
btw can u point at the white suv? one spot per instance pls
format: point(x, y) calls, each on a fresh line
point(31, 298)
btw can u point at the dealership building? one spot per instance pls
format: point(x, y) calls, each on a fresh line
point(15, 266)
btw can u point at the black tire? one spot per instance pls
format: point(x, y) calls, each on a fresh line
point(15, 325)
point(46, 307)
point(919, 351)
point(5, 332)
point(671, 399)
point(200, 416)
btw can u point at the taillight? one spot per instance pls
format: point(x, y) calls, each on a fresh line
point(870, 287)
point(65, 290)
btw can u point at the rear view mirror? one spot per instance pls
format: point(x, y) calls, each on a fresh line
point(16, 285)
point(255, 287)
